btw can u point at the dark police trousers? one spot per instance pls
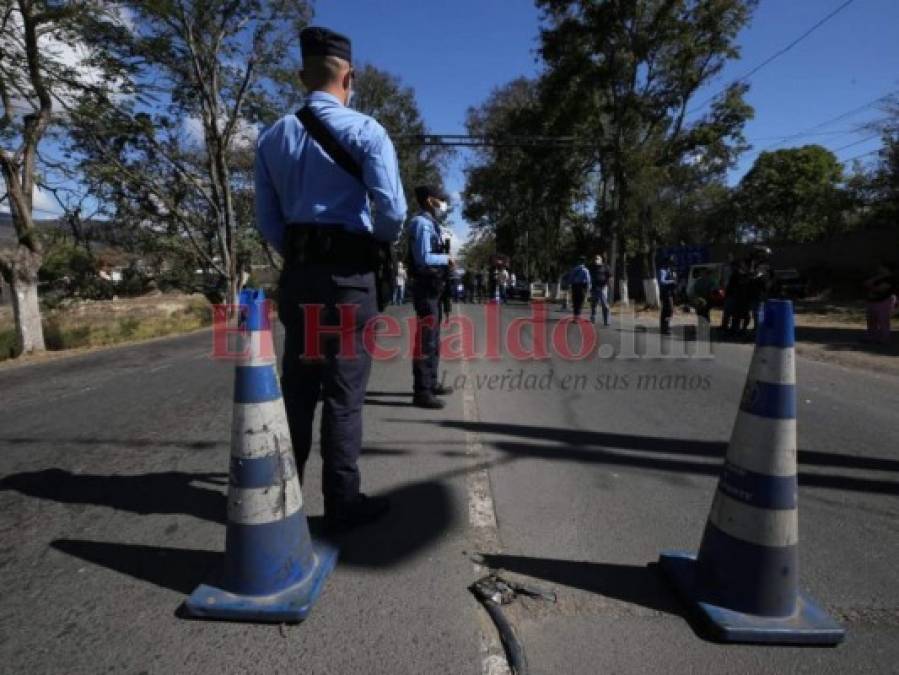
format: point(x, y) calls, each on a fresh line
point(667, 308)
point(429, 309)
point(578, 294)
point(339, 380)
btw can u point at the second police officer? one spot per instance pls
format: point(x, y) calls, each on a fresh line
point(430, 264)
point(316, 172)
point(667, 289)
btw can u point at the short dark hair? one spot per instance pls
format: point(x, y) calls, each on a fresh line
point(320, 71)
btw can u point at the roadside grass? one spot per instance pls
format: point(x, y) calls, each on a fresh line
point(100, 324)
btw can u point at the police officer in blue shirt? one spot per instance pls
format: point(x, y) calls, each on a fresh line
point(315, 181)
point(580, 286)
point(430, 263)
point(667, 289)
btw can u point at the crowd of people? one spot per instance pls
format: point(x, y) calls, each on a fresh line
point(740, 287)
point(489, 284)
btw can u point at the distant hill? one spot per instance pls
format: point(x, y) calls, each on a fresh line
point(96, 229)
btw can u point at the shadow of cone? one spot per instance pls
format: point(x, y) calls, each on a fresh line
point(745, 580)
point(273, 571)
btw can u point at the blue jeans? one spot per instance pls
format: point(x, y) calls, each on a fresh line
point(399, 294)
point(599, 296)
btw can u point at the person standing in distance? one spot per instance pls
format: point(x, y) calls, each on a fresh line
point(429, 267)
point(667, 288)
point(599, 289)
point(316, 212)
point(580, 286)
point(399, 289)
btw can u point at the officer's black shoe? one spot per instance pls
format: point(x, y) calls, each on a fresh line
point(442, 390)
point(428, 401)
point(362, 511)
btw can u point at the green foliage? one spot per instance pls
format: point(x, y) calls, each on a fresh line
point(177, 173)
point(793, 195)
point(128, 327)
point(523, 200)
point(620, 77)
point(9, 345)
point(65, 260)
point(875, 192)
point(475, 253)
point(71, 271)
point(59, 338)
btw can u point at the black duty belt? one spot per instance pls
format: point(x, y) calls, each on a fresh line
point(318, 244)
point(430, 271)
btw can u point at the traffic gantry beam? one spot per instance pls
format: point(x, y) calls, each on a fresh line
point(485, 141)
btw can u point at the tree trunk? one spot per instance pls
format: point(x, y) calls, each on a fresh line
point(613, 262)
point(22, 278)
point(622, 284)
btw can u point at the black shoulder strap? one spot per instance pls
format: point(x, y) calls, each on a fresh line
point(332, 147)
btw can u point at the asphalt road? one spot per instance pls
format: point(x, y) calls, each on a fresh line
point(113, 470)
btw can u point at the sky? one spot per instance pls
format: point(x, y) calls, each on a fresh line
point(453, 54)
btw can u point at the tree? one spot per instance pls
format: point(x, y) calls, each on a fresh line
point(882, 185)
point(624, 74)
point(475, 253)
point(524, 196)
point(166, 160)
point(49, 53)
point(793, 195)
point(382, 95)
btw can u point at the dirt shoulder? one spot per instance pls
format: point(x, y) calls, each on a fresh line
point(829, 331)
point(87, 326)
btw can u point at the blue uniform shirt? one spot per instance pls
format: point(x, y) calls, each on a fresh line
point(667, 278)
point(424, 240)
point(297, 182)
point(580, 275)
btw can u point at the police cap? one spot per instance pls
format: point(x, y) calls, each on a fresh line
point(422, 192)
point(318, 41)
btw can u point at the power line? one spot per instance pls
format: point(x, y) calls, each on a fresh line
point(866, 154)
point(864, 140)
point(841, 132)
point(487, 141)
point(812, 131)
point(828, 122)
point(774, 56)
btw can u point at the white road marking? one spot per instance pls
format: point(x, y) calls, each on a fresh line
point(482, 518)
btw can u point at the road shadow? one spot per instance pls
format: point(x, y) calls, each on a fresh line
point(845, 339)
point(169, 492)
point(666, 464)
point(577, 442)
point(629, 583)
point(178, 569)
point(120, 442)
point(388, 404)
point(420, 515)
point(385, 452)
point(399, 394)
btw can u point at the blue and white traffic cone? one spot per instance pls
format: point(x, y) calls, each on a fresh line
point(745, 580)
point(273, 571)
